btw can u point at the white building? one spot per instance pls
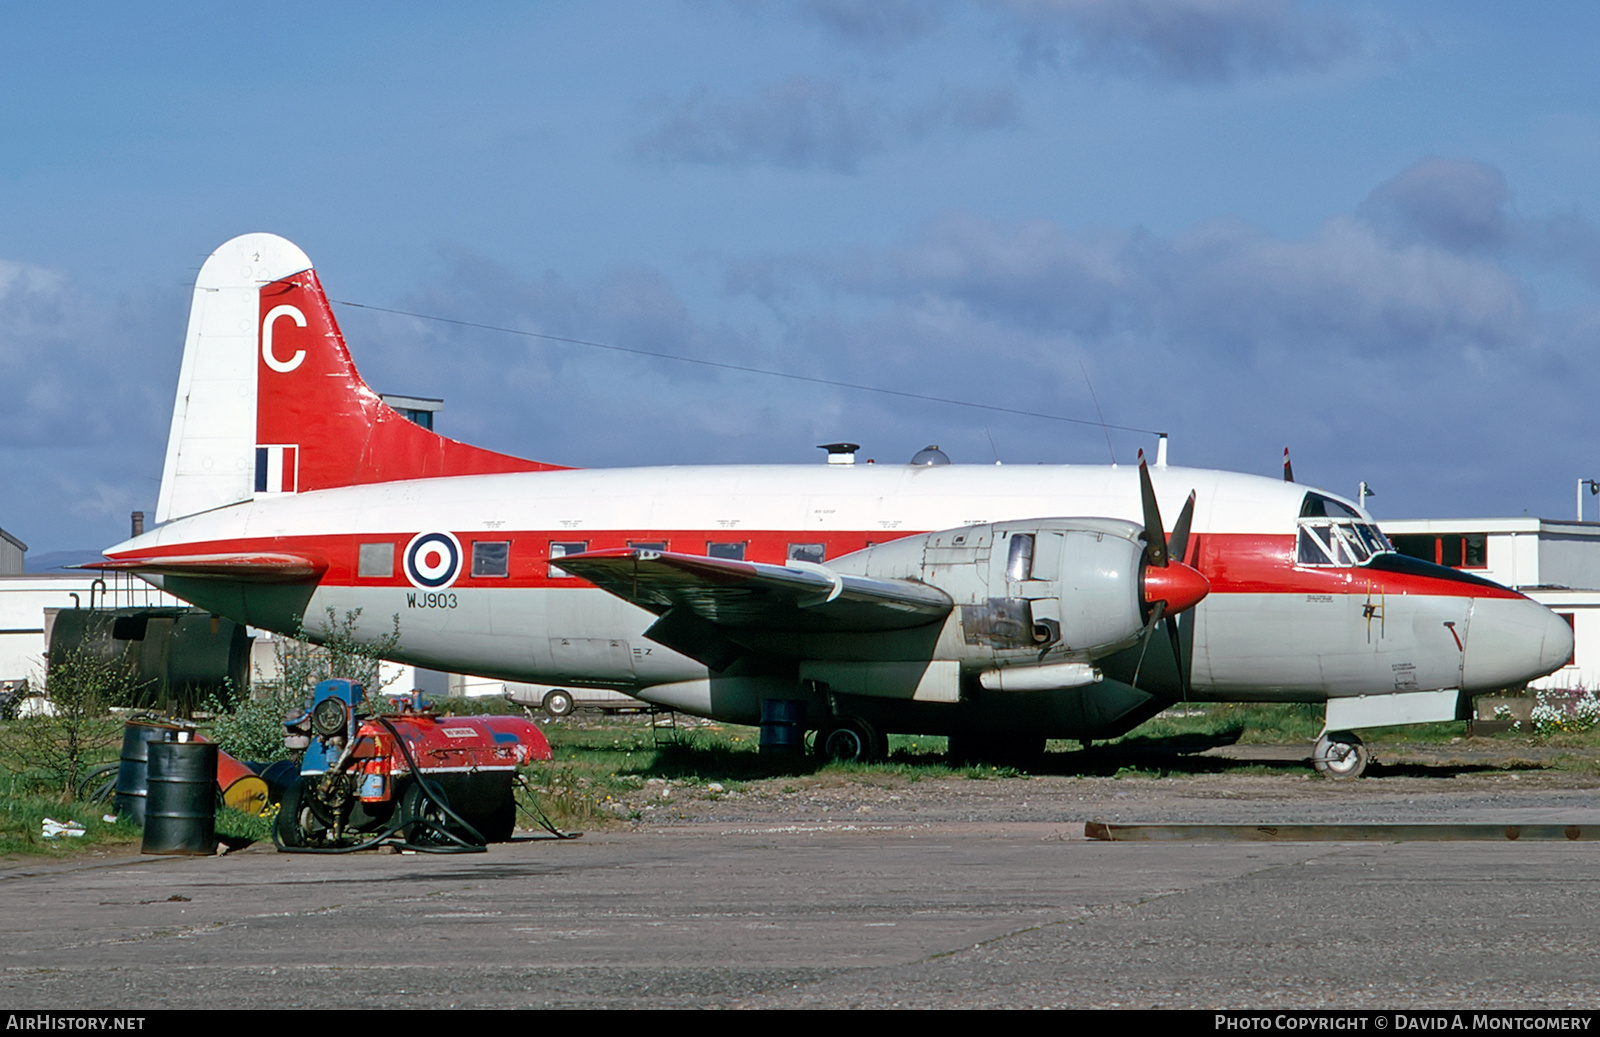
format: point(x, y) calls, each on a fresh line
point(1555, 563)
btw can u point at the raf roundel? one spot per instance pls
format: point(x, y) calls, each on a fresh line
point(433, 560)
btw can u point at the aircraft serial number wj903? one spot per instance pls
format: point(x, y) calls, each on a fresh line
point(853, 599)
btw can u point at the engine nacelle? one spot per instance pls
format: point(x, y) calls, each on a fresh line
point(1026, 592)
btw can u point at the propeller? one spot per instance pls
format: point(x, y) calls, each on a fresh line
point(1170, 587)
point(1288, 469)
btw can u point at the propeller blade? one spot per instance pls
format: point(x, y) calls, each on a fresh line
point(1174, 636)
point(1156, 612)
point(1178, 543)
point(1288, 469)
point(1155, 536)
point(1177, 587)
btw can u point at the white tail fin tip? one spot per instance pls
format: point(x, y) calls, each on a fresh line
point(250, 261)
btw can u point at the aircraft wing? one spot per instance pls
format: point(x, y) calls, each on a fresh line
point(799, 596)
point(254, 567)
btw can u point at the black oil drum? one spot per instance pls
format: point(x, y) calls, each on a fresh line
point(181, 813)
point(783, 727)
point(133, 779)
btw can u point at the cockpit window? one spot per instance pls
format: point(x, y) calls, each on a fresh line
point(1317, 506)
point(1338, 541)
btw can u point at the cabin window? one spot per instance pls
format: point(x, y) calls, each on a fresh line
point(491, 558)
point(814, 553)
point(562, 548)
point(732, 550)
point(375, 561)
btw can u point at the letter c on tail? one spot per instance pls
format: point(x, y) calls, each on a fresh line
point(281, 366)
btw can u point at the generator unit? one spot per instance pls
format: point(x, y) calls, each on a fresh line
point(434, 782)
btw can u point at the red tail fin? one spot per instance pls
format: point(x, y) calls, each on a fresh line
point(269, 402)
point(317, 423)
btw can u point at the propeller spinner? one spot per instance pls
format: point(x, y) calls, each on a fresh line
point(1170, 587)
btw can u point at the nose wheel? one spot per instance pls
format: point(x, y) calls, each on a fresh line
point(1340, 755)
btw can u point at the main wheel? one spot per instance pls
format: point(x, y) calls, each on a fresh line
point(1340, 755)
point(850, 740)
point(558, 702)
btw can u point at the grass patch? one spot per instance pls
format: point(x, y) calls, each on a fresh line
point(1267, 723)
point(22, 822)
point(234, 826)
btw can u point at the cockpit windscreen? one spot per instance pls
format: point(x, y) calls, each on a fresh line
point(1334, 534)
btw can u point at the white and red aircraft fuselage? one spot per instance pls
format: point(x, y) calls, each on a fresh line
point(994, 604)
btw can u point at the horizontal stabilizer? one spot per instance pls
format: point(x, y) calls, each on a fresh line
point(800, 596)
point(255, 567)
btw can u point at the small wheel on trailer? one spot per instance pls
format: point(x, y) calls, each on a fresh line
point(558, 702)
point(499, 826)
point(1340, 755)
point(293, 815)
point(850, 740)
point(423, 808)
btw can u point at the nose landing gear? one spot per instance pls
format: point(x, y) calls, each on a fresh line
point(1340, 755)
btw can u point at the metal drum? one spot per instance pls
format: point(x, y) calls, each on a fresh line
point(783, 730)
point(181, 814)
point(133, 773)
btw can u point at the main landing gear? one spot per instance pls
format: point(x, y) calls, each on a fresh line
point(851, 739)
point(1340, 755)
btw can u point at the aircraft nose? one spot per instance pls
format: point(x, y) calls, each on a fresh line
point(1511, 641)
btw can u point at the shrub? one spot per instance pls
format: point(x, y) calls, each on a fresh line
point(253, 730)
point(56, 748)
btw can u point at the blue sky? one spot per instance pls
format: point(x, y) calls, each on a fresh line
point(1365, 232)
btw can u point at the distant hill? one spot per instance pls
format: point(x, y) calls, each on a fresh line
point(56, 561)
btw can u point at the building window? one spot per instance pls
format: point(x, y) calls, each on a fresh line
point(808, 553)
point(648, 545)
point(732, 550)
point(375, 562)
point(1456, 550)
point(491, 557)
point(562, 548)
point(1572, 622)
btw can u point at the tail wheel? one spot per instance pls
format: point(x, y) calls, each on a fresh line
point(851, 740)
point(1340, 755)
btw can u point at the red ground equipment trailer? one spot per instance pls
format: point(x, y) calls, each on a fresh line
point(433, 782)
